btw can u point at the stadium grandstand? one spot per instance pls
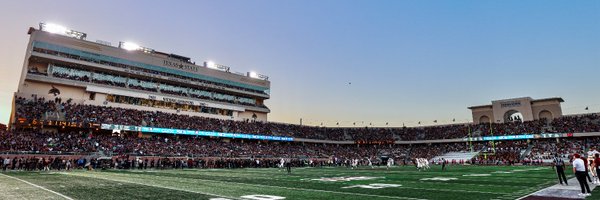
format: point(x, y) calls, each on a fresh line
point(107, 98)
point(83, 104)
point(61, 62)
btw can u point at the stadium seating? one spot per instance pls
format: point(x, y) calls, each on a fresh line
point(374, 142)
point(456, 156)
point(38, 108)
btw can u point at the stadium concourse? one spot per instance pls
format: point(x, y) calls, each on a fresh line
point(77, 151)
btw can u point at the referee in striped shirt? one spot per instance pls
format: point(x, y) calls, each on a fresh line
point(559, 165)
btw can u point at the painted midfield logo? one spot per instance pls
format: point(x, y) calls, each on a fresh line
point(339, 179)
point(439, 179)
point(477, 175)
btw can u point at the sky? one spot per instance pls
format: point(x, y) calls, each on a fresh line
point(369, 62)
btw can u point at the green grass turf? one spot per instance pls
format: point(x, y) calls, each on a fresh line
point(233, 184)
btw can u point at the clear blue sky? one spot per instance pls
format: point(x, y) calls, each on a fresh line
point(408, 61)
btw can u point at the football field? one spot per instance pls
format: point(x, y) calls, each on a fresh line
point(458, 182)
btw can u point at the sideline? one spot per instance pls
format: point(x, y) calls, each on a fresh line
point(560, 191)
point(255, 185)
point(37, 186)
point(150, 185)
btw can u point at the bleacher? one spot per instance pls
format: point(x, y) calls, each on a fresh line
point(456, 156)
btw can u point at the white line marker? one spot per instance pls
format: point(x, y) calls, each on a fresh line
point(289, 188)
point(307, 189)
point(37, 186)
point(150, 185)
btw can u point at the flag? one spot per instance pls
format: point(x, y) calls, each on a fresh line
point(337, 123)
point(386, 123)
point(419, 122)
point(453, 120)
point(354, 123)
point(435, 121)
point(586, 108)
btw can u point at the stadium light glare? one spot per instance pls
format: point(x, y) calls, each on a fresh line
point(55, 28)
point(129, 46)
point(211, 64)
point(253, 75)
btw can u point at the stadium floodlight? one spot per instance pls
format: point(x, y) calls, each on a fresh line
point(129, 46)
point(211, 64)
point(54, 28)
point(253, 74)
point(61, 30)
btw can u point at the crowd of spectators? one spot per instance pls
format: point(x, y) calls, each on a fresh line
point(547, 149)
point(35, 141)
point(106, 79)
point(217, 152)
point(37, 108)
point(139, 70)
point(502, 152)
point(576, 124)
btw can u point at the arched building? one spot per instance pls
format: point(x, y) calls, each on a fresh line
point(523, 109)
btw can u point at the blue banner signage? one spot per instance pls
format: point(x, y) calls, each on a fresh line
point(508, 137)
point(145, 129)
point(501, 137)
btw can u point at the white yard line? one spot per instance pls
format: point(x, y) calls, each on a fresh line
point(289, 188)
point(526, 195)
point(37, 186)
point(150, 185)
point(413, 188)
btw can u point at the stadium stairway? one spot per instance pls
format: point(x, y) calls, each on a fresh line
point(457, 156)
point(527, 151)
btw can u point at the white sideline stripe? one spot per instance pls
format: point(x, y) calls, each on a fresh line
point(157, 186)
point(37, 186)
point(534, 191)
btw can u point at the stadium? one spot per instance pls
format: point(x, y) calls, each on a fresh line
point(93, 120)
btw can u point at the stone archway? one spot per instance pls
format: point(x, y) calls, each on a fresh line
point(545, 114)
point(484, 119)
point(513, 116)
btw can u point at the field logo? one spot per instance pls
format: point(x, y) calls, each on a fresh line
point(477, 175)
point(340, 179)
point(537, 169)
point(374, 186)
point(519, 170)
point(255, 197)
point(439, 179)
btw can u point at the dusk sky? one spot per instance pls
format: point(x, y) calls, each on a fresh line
point(407, 61)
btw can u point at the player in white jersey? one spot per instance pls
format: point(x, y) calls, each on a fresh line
point(370, 163)
point(422, 163)
point(354, 163)
point(281, 164)
point(591, 153)
point(390, 162)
